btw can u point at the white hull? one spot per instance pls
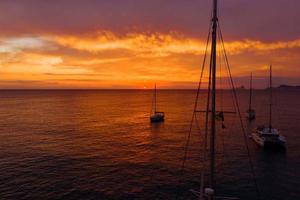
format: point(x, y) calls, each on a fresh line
point(258, 140)
point(268, 139)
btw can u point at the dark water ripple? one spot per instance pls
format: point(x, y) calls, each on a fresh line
point(100, 145)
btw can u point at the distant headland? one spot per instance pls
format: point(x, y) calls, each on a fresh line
point(288, 87)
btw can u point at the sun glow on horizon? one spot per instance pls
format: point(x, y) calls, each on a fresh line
point(108, 60)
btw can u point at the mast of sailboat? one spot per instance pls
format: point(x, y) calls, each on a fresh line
point(155, 98)
point(213, 104)
point(250, 98)
point(271, 97)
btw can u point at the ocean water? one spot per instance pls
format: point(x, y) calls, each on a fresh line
point(99, 144)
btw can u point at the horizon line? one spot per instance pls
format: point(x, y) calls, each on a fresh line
point(142, 89)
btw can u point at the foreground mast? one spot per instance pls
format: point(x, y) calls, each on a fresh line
point(208, 191)
point(213, 82)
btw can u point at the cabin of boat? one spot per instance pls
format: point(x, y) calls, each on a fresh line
point(157, 117)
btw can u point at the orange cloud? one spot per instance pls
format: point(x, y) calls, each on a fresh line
point(160, 45)
point(141, 44)
point(131, 60)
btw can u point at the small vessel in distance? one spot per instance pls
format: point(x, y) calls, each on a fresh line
point(269, 137)
point(156, 116)
point(251, 114)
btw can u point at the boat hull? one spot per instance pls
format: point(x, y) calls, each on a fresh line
point(258, 140)
point(271, 146)
point(269, 143)
point(157, 118)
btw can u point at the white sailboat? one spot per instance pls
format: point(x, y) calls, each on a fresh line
point(269, 137)
point(251, 114)
point(156, 116)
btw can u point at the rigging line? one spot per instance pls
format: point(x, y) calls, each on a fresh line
point(239, 114)
point(231, 93)
point(204, 152)
point(195, 106)
point(221, 77)
point(208, 104)
point(204, 165)
point(208, 93)
point(221, 98)
point(196, 101)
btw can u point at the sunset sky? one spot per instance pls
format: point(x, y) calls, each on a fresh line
point(134, 43)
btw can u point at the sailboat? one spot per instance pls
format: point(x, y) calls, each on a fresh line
point(250, 112)
point(208, 174)
point(269, 137)
point(208, 187)
point(156, 116)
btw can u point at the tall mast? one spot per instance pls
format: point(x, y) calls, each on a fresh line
point(250, 98)
point(213, 104)
point(155, 98)
point(270, 117)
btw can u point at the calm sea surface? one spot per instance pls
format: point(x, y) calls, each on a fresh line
point(100, 145)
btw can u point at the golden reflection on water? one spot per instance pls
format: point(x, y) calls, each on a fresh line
point(104, 140)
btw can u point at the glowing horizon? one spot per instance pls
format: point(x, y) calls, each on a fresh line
point(92, 56)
